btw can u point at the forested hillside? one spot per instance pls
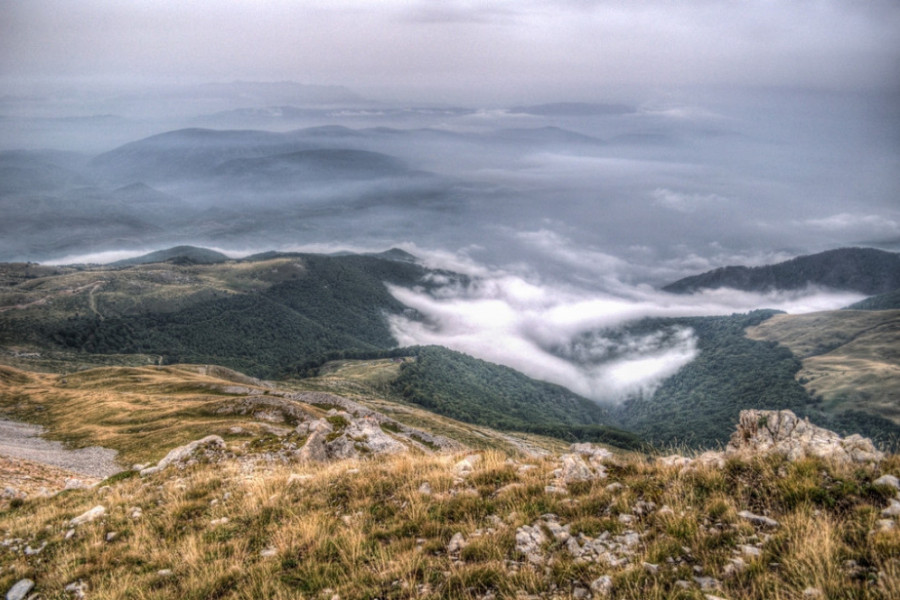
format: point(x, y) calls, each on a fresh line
point(864, 270)
point(475, 391)
point(731, 373)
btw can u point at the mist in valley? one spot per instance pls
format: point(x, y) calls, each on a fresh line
point(571, 157)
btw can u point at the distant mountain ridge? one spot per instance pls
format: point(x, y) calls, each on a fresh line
point(178, 254)
point(864, 270)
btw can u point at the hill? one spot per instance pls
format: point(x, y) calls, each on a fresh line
point(735, 371)
point(262, 317)
point(850, 359)
point(863, 270)
point(179, 254)
point(475, 391)
point(886, 301)
point(275, 316)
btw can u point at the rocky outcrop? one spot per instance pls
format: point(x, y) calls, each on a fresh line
point(341, 436)
point(761, 432)
point(584, 462)
point(210, 448)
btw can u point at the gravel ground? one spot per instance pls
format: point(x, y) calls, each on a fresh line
point(21, 440)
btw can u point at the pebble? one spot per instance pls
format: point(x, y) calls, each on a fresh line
point(77, 589)
point(111, 536)
point(708, 583)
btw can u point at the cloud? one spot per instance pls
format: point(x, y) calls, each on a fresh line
point(866, 225)
point(566, 334)
point(495, 48)
point(685, 202)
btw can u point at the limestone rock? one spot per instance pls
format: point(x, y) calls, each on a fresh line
point(574, 469)
point(529, 540)
point(212, 447)
point(893, 510)
point(350, 438)
point(761, 432)
point(602, 586)
point(758, 519)
point(20, 590)
point(91, 515)
point(888, 480)
point(457, 543)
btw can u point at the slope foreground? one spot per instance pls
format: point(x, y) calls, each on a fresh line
point(234, 521)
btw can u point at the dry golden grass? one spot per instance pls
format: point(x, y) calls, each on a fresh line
point(362, 529)
point(140, 412)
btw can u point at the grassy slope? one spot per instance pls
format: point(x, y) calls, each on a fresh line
point(370, 382)
point(851, 359)
point(363, 530)
point(140, 412)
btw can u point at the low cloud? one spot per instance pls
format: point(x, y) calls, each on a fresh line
point(867, 225)
point(568, 335)
point(685, 202)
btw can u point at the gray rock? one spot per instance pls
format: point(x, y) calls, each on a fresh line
point(708, 583)
point(210, 447)
point(529, 540)
point(602, 586)
point(457, 543)
point(893, 510)
point(91, 515)
point(574, 469)
point(111, 536)
point(758, 519)
point(888, 480)
point(761, 432)
point(20, 590)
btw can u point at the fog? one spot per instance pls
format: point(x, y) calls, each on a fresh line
point(572, 335)
point(571, 156)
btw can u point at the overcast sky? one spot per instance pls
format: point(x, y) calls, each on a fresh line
point(458, 49)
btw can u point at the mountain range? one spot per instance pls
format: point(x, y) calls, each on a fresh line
point(287, 316)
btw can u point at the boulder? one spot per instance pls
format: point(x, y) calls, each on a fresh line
point(20, 590)
point(761, 432)
point(212, 447)
point(91, 515)
point(355, 437)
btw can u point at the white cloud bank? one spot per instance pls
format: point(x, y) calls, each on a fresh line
point(550, 331)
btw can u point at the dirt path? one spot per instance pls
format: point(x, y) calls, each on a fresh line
point(21, 440)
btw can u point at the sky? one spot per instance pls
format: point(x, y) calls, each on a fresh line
point(458, 50)
point(754, 131)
